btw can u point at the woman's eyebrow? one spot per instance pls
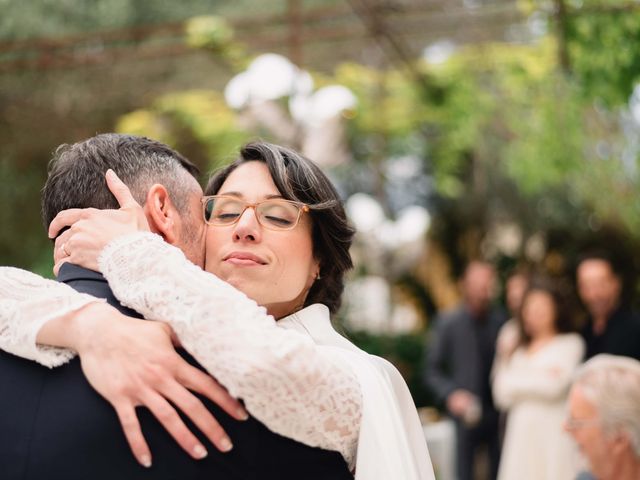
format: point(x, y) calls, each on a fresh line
point(232, 194)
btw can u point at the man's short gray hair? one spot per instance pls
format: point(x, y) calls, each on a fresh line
point(76, 173)
point(612, 384)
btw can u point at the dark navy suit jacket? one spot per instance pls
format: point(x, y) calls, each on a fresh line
point(621, 335)
point(53, 425)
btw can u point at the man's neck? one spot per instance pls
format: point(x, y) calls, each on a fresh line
point(599, 322)
point(478, 312)
point(599, 325)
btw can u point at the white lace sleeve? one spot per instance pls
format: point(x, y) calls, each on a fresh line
point(28, 301)
point(295, 387)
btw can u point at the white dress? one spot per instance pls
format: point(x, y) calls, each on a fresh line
point(302, 380)
point(533, 389)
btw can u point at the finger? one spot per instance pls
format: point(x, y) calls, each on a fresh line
point(63, 238)
point(199, 381)
point(58, 264)
point(60, 256)
point(120, 190)
point(63, 219)
point(171, 421)
point(201, 417)
point(61, 247)
point(133, 433)
point(175, 341)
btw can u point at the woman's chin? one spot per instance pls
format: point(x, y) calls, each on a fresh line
point(252, 289)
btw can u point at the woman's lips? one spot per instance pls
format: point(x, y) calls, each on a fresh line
point(244, 258)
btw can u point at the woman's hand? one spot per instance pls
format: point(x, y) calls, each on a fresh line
point(132, 363)
point(90, 230)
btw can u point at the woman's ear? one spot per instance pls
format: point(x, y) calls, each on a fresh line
point(315, 271)
point(161, 213)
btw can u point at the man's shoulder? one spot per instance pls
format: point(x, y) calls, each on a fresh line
point(498, 315)
point(626, 318)
point(452, 317)
point(92, 283)
point(634, 316)
point(453, 313)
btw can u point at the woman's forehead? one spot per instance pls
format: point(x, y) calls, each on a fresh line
point(251, 179)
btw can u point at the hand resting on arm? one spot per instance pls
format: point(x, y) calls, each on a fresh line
point(133, 363)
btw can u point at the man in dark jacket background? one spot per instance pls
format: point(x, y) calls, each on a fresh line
point(460, 356)
point(612, 326)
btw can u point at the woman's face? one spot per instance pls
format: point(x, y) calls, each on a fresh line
point(275, 268)
point(539, 313)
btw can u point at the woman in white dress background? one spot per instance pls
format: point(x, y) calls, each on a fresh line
point(532, 383)
point(268, 340)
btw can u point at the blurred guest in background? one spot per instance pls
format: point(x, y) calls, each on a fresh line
point(604, 417)
point(532, 386)
point(509, 334)
point(612, 327)
point(459, 361)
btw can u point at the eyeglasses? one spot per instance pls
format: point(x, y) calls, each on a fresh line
point(274, 214)
point(574, 424)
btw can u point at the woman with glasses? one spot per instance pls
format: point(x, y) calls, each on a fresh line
point(258, 318)
point(531, 385)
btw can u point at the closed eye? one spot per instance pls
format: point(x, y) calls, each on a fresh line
point(227, 216)
point(278, 220)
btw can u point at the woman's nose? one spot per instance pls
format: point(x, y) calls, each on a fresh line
point(248, 228)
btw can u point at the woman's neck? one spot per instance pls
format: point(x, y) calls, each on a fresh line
point(540, 341)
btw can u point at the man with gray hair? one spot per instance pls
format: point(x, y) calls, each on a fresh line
point(148, 167)
point(604, 416)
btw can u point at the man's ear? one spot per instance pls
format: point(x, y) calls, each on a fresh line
point(161, 213)
point(621, 442)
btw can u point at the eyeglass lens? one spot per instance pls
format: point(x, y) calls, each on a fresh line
point(278, 214)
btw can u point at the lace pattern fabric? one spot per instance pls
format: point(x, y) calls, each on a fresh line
point(295, 387)
point(28, 301)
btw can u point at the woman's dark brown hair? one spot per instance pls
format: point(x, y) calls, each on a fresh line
point(298, 178)
point(563, 303)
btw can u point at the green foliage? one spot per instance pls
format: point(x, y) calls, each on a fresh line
point(603, 49)
point(547, 136)
point(52, 18)
point(21, 214)
point(611, 190)
point(200, 116)
point(508, 111)
point(459, 122)
point(382, 91)
point(216, 35)
point(513, 112)
point(208, 32)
